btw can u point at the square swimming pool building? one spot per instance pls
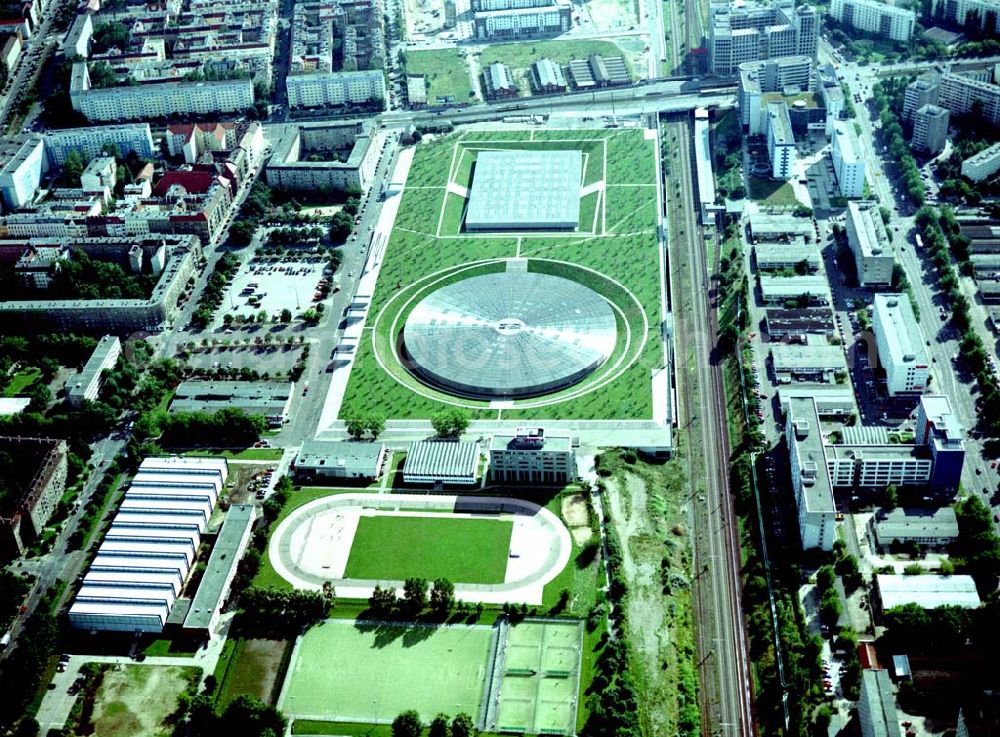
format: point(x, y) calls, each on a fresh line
point(525, 190)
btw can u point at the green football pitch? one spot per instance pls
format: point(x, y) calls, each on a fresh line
point(461, 549)
point(353, 672)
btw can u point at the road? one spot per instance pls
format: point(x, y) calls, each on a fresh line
point(942, 340)
point(32, 56)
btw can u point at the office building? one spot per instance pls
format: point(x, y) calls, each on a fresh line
point(321, 460)
point(832, 400)
point(921, 91)
point(769, 228)
point(939, 428)
point(832, 95)
point(144, 560)
point(982, 165)
point(134, 138)
point(900, 344)
point(780, 141)
point(750, 31)
point(786, 74)
point(816, 361)
point(521, 19)
point(87, 383)
point(799, 256)
point(808, 289)
point(848, 162)
point(797, 324)
point(930, 129)
point(157, 99)
point(269, 399)
point(810, 478)
point(442, 462)
point(877, 705)
point(927, 528)
point(532, 456)
point(959, 94)
point(871, 244)
point(35, 472)
point(336, 89)
point(874, 17)
point(927, 591)
point(21, 175)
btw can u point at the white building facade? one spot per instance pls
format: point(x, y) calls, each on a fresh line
point(900, 344)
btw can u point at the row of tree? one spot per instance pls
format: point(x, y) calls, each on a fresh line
point(227, 427)
point(215, 289)
point(888, 98)
point(416, 598)
point(409, 724)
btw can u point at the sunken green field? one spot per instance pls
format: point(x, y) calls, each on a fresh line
point(615, 252)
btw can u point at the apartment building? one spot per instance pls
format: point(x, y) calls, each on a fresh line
point(874, 17)
point(291, 166)
point(957, 12)
point(85, 384)
point(958, 93)
point(900, 343)
point(335, 89)
point(515, 19)
point(38, 481)
point(158, 99)
point(871, 244)
point(983, 165)
point(921, 91)
point(848, 161)
point(21, 175)
point(780, 141)
point(740, 32)
point(134, 138)
point(930, 129)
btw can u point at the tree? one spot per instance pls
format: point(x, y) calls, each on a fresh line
point(382, 601)
point(286, 315)
point(442, 597)
point(438, 726)
point(341, 226)
point(360, 424)
point(407, 724)
point(247, 715)
point(414, 595)
point(450, 423)
point(462, 726)
point(825, 577)
point(73, 168)
point(829, 608)
point(890, 498)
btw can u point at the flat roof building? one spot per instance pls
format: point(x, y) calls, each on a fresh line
point(771, 256)
point(769, 228)
point(939, 429)
point(780, 141)
point(533, 456)
point(230, 544)
point(270, 399)
point(900, 344)
point(34, 479)
point(930, 129)
point(871, 244)
point(798, 323)
point(928, 528)
point(832, 400)
point(813, 289)
point(339, 459)
point(703, 161)
point(928, 591)
point(848, 163)
point(140, 566)
point(810, 477)
point(437, 462)
point(86, 384)
point(525, 190)
point(811, 362)
point(982, 165)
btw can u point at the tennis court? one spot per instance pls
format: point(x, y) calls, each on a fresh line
point(541, 678)
point(370, 672)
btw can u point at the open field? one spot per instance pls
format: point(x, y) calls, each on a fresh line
point(247, 454)
point(22, 381)
point(137, 700)
point(616, 253)
point(253, 668)
point(769, 192)
point(389, 547)
point(357, 672)
point(446, 71)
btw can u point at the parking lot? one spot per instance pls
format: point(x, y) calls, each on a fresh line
point(274, 285)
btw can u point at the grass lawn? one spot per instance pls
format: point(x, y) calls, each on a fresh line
point(523, 55)
point(164, 648)
point(771, 192)
point(426, 250)
point(22, 381)
point(248, 454)
point(463, 550)
point(446, 72)
point(253, 667)
point(364, 673)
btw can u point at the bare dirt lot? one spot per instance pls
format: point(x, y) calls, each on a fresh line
point(577, 518)
point(137, 700)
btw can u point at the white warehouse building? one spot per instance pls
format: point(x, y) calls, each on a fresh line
point(140, 568)
point(900, 344)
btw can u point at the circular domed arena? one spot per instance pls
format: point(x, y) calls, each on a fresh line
point(508, 335)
